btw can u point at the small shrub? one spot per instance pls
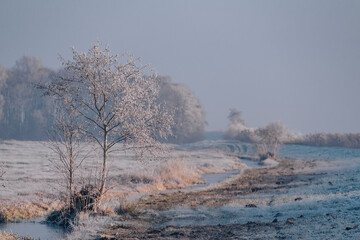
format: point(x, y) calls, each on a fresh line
point(83, 201)
point(86, 199)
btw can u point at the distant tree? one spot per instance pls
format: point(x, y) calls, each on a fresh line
point(115, 102)
point(237, 128)
point(25, 114)
point(189, 114)
point(349, 140)
point(3, 77)
point(271, 138)
point(235, 116)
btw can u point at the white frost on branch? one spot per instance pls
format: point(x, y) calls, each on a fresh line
point(115, 102)
point(268, 139)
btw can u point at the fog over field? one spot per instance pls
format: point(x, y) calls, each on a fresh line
point(291, 61)
point(162, 119)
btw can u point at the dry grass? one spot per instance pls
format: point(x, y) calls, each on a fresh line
point(128, 208)
point(251, 180)
point(11, 236)
point(106, 211)
point(154, 178)
point(8, 236)
point(116, 194)
point(27, 210)
point(168, 175)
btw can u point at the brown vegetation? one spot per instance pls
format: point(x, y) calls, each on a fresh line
point(128, 208)
point(12, 236)
point(18, 211)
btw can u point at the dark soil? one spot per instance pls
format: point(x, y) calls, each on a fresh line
point(230, 231)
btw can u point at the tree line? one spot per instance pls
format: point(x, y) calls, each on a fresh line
point(26, 115)
point(277, 133)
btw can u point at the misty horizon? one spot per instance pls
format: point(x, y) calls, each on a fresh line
point(185, 119)
point(290, 61)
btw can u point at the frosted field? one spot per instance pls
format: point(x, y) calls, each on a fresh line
point(30, 176)
point(321, 203)
point(32, 179)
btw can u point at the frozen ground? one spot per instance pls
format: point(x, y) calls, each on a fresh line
point(29, 174)
point(31, 180)
point(321, 208)
point(321, 202)
point(315, 197)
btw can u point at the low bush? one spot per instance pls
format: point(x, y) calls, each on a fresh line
point(83, 201)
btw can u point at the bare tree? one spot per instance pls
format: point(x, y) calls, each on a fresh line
point(271, 138)
point(115, 101)
point(67, 143)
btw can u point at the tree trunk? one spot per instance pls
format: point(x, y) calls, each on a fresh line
point(104, 170)
point(71, 180)
point(71, 170)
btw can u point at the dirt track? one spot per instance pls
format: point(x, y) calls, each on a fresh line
point(252, 180)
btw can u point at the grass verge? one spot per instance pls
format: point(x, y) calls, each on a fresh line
point(15, 212)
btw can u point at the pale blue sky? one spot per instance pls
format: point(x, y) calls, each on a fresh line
point(295, 61)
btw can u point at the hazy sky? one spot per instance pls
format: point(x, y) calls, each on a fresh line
point(294, 61)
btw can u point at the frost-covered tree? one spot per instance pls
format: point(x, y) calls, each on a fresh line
point(271, 138)
point(268, 140)
point(238, 129)
point(115, 102)
point(189, 114)
point(25, 114)
point(3, 77)
point(235, 116)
